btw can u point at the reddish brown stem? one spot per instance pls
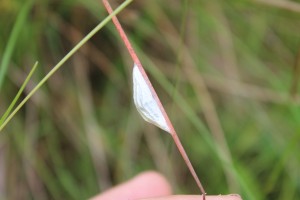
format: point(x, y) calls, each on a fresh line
point(170, 125)
point(188, 163)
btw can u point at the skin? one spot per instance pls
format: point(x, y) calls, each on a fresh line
point(152, 186)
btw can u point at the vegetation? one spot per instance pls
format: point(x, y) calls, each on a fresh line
point(226, 71)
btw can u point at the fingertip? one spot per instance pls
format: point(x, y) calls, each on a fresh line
point(147, 184)
point(235, 196)
point(198, 197)
point(156, 181)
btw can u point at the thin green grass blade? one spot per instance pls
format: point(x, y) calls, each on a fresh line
point(64, 59)
point(13, 103)
point(13, 40)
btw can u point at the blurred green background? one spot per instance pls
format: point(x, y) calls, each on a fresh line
point(226, 71)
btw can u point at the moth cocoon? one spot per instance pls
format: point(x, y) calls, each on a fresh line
point(145, 102)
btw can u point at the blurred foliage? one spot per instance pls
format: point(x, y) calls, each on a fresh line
point(227, 72)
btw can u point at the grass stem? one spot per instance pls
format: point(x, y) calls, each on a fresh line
point(13, 103)
point(169, 123)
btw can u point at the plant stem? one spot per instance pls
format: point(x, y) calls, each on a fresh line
point(18, 94)
point(64, 59)
point(170, 125)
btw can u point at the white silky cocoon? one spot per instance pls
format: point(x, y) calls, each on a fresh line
point(145, 102)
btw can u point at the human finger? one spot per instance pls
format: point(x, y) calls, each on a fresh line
point(145, 185)
point(198, 197)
